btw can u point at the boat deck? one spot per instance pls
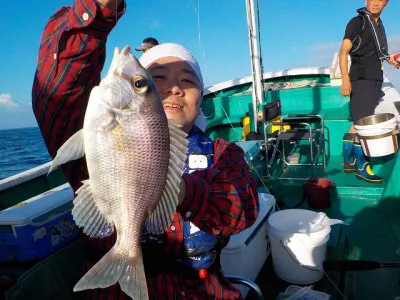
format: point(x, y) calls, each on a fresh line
point(372, 210)
point(373, 232)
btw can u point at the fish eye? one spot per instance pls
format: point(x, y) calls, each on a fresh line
point(140, 84)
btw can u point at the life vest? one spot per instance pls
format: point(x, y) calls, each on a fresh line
point(200, 153)
point(201, 248)
point(378, 35)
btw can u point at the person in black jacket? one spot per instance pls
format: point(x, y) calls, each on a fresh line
point(365, 41)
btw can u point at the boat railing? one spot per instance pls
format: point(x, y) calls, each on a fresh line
point(25, 176)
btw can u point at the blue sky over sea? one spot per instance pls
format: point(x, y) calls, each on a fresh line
point(294, 33)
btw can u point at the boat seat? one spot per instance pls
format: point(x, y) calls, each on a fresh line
point(295, 135)
point(284, 135)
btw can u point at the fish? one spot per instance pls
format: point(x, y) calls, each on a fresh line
point(135, 158)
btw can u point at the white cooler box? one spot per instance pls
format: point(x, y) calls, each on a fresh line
point(36, 227)
point(247, 251)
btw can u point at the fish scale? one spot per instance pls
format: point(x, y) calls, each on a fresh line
point(135, 159)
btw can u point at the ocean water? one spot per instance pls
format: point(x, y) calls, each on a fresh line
point(20, 150)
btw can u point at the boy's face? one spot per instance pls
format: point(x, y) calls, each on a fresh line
point(179, 89)
point(375, 7)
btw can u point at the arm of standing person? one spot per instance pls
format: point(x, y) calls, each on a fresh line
point(221, 200)
point(352, 35)
point(345, 89)
point(71, 57)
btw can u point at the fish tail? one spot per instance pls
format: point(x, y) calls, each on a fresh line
point(104, 273)
point(133, 279)
point(114, 267)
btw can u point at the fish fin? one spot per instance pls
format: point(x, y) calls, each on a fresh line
point(87, 214)
point(126, 50)
point(114, 267)
point(133, 279)
point(163, 213)
point(72, 149)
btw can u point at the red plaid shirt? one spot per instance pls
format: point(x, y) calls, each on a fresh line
point(220, 200)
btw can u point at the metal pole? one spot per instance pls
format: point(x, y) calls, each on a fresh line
point(258, 94)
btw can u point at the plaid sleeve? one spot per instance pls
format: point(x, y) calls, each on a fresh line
point(71, 57)
point(221, 200)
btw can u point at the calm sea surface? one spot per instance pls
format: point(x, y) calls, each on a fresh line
point(21, 149)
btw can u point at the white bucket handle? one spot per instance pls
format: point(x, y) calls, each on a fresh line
point(306, 267)
point(323, 220)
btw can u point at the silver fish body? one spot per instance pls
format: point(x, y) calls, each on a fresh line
point(135, 159)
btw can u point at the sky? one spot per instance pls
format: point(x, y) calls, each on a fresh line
point(294, 34)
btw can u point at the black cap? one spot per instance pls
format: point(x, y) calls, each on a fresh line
point(147, 44)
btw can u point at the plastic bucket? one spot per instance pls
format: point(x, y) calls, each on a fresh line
point(298, 246)
point(318, 192)
point(377, 134)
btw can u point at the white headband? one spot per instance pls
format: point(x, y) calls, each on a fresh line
point(174, 50)
point(178, 51)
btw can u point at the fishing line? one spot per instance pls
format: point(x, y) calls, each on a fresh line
point(247, 154)
point(197, 12)
point(203, 55)
point(387, 74)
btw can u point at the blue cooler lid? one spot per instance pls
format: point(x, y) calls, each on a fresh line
point(39, 208)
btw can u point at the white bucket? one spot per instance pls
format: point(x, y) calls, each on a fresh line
point(298, 244)
point(378, 134)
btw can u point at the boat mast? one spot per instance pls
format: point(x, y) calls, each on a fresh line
point(258, 93)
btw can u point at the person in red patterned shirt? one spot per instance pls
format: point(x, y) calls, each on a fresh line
point(219, 200)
